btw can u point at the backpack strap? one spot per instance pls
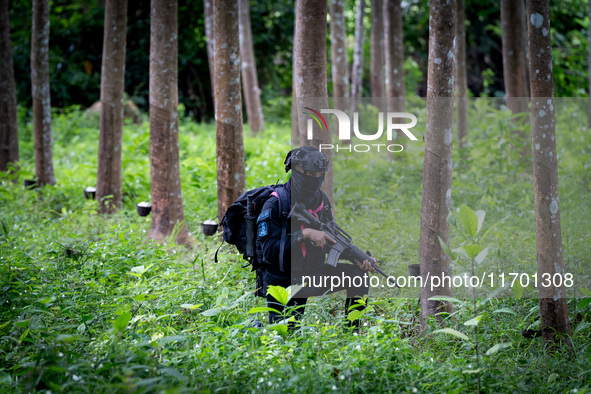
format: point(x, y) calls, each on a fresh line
point(284, 212)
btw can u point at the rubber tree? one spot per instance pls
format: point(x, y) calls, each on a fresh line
point(167, 200)
point(310, 74)
point(552, 301)
point(250, 81)
point(228, 104)
point(394, 54)
point(108, 182)
point(515, 65)
point(338, 50)
point(357, 68)
point(377, 48)
point(461, 76)
point(208, 19)
point(41, 93)
point(8, 115)
point(437, 168)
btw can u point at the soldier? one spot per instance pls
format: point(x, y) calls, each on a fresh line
point(291, 251)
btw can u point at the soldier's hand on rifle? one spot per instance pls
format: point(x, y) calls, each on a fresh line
point(319, 238)
point(367, 265)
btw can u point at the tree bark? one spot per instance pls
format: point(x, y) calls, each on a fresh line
point(394, 53)
point(338, 50)
point(228, 107)
point(461, 77)
point(208, 16)
point(41, 93)
point(514, 54)
point(357, 70)
point(553, 307)
point(108, 181)
point(8, 115)
point(167, 199)
point(250, 81)
point(295, 127)
point(377, 48)
point(310, 75)
point(437, 168)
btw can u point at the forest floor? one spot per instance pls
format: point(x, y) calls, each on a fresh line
point(88, 304)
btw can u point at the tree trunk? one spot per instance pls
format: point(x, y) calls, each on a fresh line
point(295, 127)
point(8, 116)
point(108, 182)
point(553, 308)
point(167, 200)
point(377, 48)
point(250, 81)
point(394, 53)
point(41, 93)
point(208, 16)
point(461, 78)
point(310, 75)
point(514, 54)
point(338, 50)
point(438, 154)
point(357, 70)
point(228, 107)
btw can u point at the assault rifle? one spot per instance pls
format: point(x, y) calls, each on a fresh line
point(343, 242)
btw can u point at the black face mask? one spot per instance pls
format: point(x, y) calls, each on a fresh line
point(306, 187)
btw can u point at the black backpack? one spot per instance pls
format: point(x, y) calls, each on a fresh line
point(239, 226)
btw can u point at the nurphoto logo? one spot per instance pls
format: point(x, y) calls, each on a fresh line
point(393, 120)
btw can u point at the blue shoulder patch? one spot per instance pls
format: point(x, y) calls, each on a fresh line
point(263, 229)
point(264, 215)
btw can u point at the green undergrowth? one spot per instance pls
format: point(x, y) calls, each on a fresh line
point(89, 304)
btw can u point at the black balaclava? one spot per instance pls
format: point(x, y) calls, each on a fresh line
point(305, 188)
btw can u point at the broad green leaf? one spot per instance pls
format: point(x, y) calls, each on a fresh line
point(258, 309)
point(190, 306)
point(446, 299)
point(173, 338)
point(47, 301)
point(497, 347)
point(453, 332)
point(279, 293)
point(473, 321)
point(481, 215)
point(472, 250)
point(140, 297)
point(505, 310)
point(583, 303)
point(482, 255)
point(140, 269)
point(22, 323)
point(446, 248)
point(585, 291)
point(469, 220)
point(120, 324)
point(355, 314)
point(67, 338)
point(280, 328)
point(23, 336)
point(212, 312)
